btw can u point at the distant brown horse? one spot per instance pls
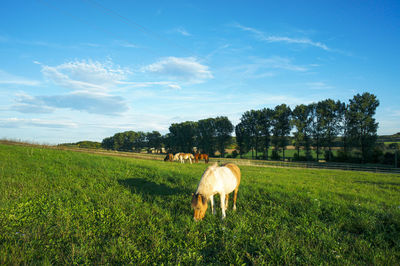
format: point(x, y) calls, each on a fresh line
point(169, 157)
point(201, 156)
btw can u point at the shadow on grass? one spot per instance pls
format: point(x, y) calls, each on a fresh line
point(145, 187)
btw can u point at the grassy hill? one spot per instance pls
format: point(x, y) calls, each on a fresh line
point(64, 207)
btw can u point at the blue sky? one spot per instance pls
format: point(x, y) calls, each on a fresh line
point(87, 69)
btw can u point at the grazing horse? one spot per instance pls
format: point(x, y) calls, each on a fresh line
point(201, 156)
point(182, 157)
point(169, 157)
point(216, 179)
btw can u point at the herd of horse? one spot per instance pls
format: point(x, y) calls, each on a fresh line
point(183, 157)
point(216, 179)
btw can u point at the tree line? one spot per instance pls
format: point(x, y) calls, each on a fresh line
point(207, 135)
point(314, 127)
point(317, 125)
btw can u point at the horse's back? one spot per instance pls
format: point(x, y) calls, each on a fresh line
point(235, 171)
point(229, 176)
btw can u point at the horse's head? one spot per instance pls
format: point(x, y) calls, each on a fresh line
point(199, 204)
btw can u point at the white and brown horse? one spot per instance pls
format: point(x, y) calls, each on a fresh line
point(220, 180)
point(182, 157)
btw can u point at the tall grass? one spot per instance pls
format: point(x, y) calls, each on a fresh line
point(63, 207)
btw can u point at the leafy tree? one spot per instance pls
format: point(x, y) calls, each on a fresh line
point(108, 143)
point(302, 120)
point(119, 141)
point(242, 139)
point(251, 128)
point(281, 127)
point(223, 130)
point(265, 121)
point(154, 140)
point(316, 125)
point(183, 136)
point(205, 136)
point(331, 118)
point(362, 127)
point(138, 140)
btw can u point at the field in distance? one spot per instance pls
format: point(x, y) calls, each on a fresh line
point(65, 207)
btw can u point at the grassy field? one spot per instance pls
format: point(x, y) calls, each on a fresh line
point(64, 207)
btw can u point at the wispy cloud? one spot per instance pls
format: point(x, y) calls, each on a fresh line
point(146, 84)
point(85, 75)
point(9, 79)
point(90, 102)
point(318, 85)
point(126, 44)
point(266, 67)
point(91, 84)
point(262, 36)
point(21, 123)
point(185, 69)
point(181, 30)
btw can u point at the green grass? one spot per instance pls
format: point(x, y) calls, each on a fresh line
point(64, 207)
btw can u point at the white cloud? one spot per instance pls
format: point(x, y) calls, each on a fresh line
point(174, 86)
point(85, 75)
point(186, 69)
point(144, 84)
point(182, 31)
point(271, 38)
point(126, 44)
point(96, 103)
point(20, 123)
point(277, 62)
point(265, 67)
point(318, 85)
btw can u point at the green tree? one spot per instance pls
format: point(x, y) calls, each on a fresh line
point(223, 130)
point(251, 128)
point(316, 125)
point(108, 143)
point(301, 119)
point(281, 127)
point(205, 136)
point(362, 127)
point(183, 136)
point(331, 119)
point(265, 121)
point(154, 140)
point(242, 139)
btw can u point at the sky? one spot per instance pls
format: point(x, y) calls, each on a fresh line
point(87, 69)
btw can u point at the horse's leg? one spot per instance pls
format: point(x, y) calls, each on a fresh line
point(234, 199)
point(222, 196)
point(212, 204)
point(226, 201)
point(190, 160)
